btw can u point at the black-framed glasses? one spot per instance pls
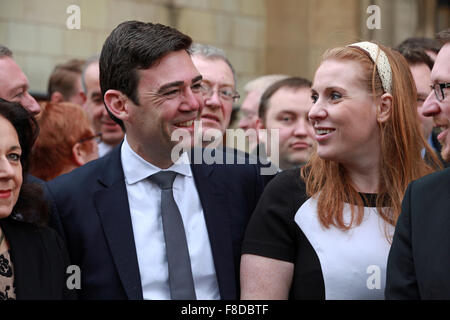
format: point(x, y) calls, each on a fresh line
point(225, 93)
point(438, 89)
point(97, 137)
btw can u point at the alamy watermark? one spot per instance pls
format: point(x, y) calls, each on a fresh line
point(206, 141)
point(74, 20)
point(374, 280)
point(374, 20)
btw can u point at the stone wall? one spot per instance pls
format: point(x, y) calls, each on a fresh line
point(259, 36)
point(36, 32)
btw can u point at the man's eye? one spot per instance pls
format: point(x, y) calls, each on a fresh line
point(226, 93)
point(286, 119)
point(19, 95)
point(197, 87)
point(172, 93)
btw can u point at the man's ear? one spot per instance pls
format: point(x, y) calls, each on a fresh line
point(56, 97)
point(384, 109)
point(117, 103)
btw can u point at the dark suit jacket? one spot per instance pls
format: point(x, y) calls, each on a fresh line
point(39, 259)
point(419, 260)
point(91, 212)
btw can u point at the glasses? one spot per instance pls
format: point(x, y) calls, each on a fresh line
point(97, 137)
point(438, 89)
point(225, 93)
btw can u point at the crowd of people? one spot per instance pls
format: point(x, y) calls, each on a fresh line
point(357, 208)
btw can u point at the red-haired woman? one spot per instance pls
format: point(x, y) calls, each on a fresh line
point(324, 232)
point(66, 141)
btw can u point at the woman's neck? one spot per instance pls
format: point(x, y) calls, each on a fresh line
point(365, 178)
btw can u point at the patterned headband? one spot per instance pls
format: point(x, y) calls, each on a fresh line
point(381, 60)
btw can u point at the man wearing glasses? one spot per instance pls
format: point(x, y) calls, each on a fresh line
point(219, 85)
point(419, 261)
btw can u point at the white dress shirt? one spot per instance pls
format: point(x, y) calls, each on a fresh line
point(104, 149)
point(144, 199)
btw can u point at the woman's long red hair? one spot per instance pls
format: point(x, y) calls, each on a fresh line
point(401, 145)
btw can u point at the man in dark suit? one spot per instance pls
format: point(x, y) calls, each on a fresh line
point(110, 211)
point(419, 260)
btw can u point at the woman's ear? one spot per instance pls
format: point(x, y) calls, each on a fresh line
point(117, 104)
point(384, 108)
point(78, 154)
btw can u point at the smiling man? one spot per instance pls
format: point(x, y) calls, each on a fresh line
point(14, 84)
point(219, 82)
point(138, 223)
point(284, 107)
point(419, 259)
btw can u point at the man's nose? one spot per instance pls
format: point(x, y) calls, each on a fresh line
point(301, 128)
point(192, 101)
point(31, 104)
point(430, 106)
point(214, 100)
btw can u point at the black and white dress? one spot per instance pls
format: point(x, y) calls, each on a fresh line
point(329, 263)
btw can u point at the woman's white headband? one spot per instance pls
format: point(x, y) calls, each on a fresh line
point(381, 60)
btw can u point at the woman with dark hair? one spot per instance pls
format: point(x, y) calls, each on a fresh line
point(33, 259)
point(324, 232)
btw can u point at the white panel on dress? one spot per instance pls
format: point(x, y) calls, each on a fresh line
point(353, 262)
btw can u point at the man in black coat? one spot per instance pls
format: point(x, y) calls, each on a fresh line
point(109, 211)
point(419, 260)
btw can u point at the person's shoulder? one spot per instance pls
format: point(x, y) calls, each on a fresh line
point(30, 229)
point(438, 180)
point(288, 179)
point(87, 172)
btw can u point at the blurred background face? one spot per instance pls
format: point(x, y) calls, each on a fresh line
point(249, 111)
point(14, 85)
point(288, 113)
point(112, 134)
point(343, 114)
point(10, 167)
point(217, 75)
point(422, 77)
point(78, 96)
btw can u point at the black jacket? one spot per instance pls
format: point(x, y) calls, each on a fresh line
point(419, 260)
point(39, 259)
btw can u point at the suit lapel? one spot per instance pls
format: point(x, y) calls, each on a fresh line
point(113, 209)
point(215, 209)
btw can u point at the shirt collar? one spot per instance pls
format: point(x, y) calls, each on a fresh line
point(135, 168)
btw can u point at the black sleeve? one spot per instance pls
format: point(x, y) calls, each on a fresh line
point(401, 281)
point(59, 261)
point(272, 231)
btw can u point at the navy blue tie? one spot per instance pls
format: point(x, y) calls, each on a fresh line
point(180, 273)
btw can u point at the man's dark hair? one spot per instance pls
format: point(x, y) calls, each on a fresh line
point(444, 36)
point(293, 83)
point(133, 46)
point(30, 205)
point(421, 43)
point(64, 77)
point(415, 56)
point(5, 52)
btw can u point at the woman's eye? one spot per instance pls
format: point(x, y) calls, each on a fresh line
point(335, 96)
point(314, 98)
point(14, 156)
